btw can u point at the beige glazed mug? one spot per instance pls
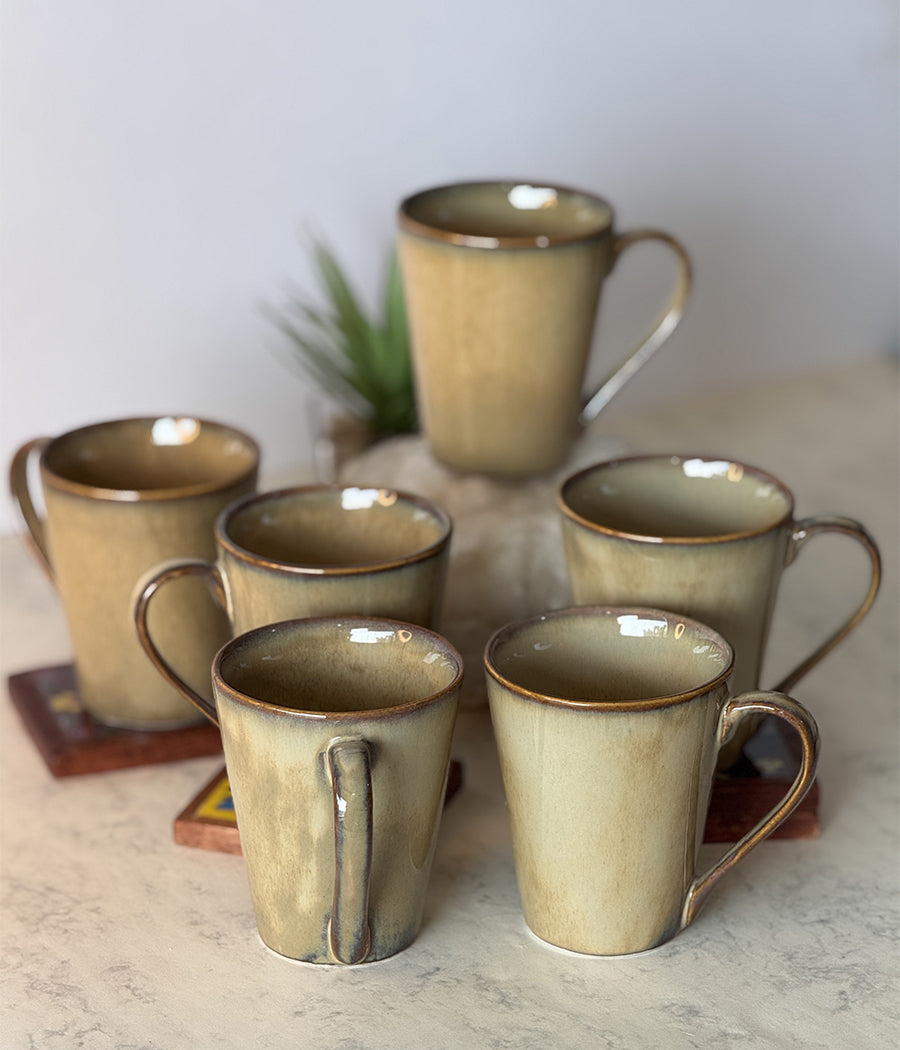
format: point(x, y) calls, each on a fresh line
point(317, 550)
point(705, 537)
point(119, 498)
point(608, 721)
point(337, 743)
point(502, 283)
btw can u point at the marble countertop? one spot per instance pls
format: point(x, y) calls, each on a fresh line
point(115, 937)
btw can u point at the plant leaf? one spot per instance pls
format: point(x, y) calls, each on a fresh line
point(349, 317)
point(361, 363)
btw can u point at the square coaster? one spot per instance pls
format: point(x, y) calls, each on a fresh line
point(71, 742)
point(208, 821)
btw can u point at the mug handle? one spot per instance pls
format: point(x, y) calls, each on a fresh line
point(661, 331)
point(21, 493)
point(734, 710)
point(173, 570)
point(349, 763)
point(805, 530)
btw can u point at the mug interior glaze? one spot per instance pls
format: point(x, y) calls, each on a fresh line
point(335, 527)
point(153, 458)
point(674, 497)
point(337, 666)
point(514, 213)
point(623, 657)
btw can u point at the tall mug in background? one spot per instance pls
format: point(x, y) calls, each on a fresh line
point(502, 283)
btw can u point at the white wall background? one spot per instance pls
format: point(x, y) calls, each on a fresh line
point(161, 160)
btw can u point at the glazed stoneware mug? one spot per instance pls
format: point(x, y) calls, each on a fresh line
point(608, 721)
point(317, 550)
point(703, 536)
point(337, 739)
point(502, 283)
point(119, 498)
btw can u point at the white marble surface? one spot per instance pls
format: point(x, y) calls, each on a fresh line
point(115, 937)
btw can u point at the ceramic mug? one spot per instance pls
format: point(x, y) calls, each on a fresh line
point(119, 498)
point(337, 739)
point(705, 537)
point(502, 282)
point(608, 721)
point(318, 550)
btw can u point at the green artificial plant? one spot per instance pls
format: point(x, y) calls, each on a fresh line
point(362, 363)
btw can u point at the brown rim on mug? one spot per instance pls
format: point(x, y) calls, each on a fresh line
point(418, 224)
point(389, 496)
point(250, 638)
point(740, 470)
point(175, 431)
point(650, 703)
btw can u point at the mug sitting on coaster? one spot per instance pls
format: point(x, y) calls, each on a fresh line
point(120, 497)
point(317, 550)
point(502, 282)
point(705, 537)
point(337, 743)
point(608, 721)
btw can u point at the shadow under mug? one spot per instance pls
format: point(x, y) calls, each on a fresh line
point(120, 497)
point(502, 282)
point(706, 537)
point(608, 721)
point(337, 735)
point(314, 550)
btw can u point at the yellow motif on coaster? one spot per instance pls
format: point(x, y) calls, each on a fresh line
point(65, 703)
point(218, 803)
point(770, 767)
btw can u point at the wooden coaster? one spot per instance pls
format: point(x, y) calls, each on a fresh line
point(71, 742)
point(739, 799)
point(208, 821)
point(747, 792)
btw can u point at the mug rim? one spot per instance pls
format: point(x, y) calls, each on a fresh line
point(248, 556)
point(650, 703)
point(62, 483)
point(657, 540)
point(409, 224)
point(310, 624)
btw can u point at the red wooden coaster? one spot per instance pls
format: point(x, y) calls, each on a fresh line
point(71, 742)
point(208, 821)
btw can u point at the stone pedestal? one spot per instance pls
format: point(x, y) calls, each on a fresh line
point(506, 557)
